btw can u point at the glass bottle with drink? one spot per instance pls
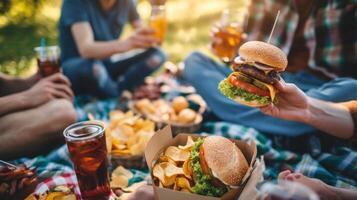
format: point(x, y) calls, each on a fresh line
point(87, 148)
point(48, 60)
point(227, 34)
point(158, 21)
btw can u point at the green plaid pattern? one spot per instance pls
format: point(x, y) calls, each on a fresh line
point(338, 169)
point(330, 32)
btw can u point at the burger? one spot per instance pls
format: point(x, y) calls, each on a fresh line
point(254, 72)
point(217, 164)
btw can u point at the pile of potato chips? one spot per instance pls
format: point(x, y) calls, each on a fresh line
point(172, 169)
point(128, 134)
point(120, 181)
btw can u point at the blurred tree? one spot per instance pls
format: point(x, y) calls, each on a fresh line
point(19, 10)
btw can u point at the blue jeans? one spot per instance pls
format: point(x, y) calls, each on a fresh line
point(205, 74)
point(105, 79)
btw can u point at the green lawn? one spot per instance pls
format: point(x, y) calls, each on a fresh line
point(189, 25)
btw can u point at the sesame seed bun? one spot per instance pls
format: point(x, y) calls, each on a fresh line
point(225, 160)
point(264, 53)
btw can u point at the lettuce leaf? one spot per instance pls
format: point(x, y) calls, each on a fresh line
point(232, 92)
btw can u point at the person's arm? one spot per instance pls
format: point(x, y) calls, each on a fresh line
point(344, 193)
point(331, 118)
point(89, 48)
point(12, 103)
point(10, 85)
point(295, 105)
point(54, 86)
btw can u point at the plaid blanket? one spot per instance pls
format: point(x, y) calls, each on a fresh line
point(338, 168)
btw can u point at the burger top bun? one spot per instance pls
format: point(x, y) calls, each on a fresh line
point(264, 53)
point(225, 160)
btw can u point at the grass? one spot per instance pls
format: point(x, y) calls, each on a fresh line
point(188, 30)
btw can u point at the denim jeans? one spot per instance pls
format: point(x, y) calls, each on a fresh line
point(205, 74)
point(105, 79)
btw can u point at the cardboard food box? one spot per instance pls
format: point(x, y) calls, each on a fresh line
point(163, 139)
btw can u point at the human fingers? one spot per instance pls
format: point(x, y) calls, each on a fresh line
point(268, 110)
point(65, 89)
point(58, 78)
point(145, 31)
point(59, 94)
point(144, 41)
point(283, 174)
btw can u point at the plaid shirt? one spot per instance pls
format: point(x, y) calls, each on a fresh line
point(330, 32)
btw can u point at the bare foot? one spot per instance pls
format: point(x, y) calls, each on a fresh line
point(324, 191)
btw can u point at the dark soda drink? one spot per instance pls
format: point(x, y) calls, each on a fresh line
point(48, 67)
point(87, 149)
point(48, 60)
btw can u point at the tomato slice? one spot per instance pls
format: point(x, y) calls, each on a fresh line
point(203, 163)
point(248, 87)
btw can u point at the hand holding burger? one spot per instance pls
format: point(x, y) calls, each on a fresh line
point(255, 71)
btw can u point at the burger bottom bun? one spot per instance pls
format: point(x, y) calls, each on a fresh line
point(254, 104)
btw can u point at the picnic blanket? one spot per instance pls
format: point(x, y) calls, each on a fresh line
point(337, 169)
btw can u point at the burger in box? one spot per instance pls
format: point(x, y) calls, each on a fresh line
point(254, 73)
point(197, 167)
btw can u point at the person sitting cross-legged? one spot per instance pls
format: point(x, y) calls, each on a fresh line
point(33, 114)
point(90, 35)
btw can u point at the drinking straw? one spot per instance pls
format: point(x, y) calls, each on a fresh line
point(275, 22)
point(42, 42)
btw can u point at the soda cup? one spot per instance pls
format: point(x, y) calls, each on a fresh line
point(48, 60)
point(87, 148)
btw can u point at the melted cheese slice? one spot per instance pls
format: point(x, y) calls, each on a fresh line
point(271, 89)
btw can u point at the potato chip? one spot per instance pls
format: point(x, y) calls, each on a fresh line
point(116, 115)
point(126, 130)
point(188, 145)
point(171, 169)
point(183, 183)
point(118, 135)
point(120, 181)
point(187, 169)
point(121, 152)
point(159, 172)
point(120, 170)
point(164, 158)
point(134, 186)
point(177, 154)
point(129, 133)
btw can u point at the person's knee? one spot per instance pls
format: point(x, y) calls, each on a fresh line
point(194, 64)
point(63, 114)
point(341, 89)
point(349, 84)
point(156, 59)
